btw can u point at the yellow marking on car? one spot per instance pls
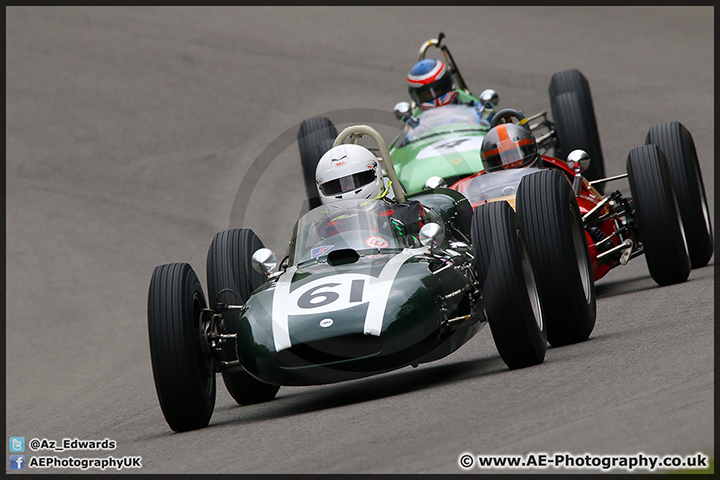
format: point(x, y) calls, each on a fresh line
point(508, 198)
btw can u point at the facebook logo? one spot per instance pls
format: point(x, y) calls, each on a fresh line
point(17, 462)
point(17, 444)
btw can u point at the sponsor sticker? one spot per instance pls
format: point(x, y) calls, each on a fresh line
point(317, 251)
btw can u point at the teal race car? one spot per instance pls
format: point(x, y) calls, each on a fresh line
point(440, 146)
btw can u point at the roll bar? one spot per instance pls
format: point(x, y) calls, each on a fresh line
point(437, 43)
point(357, 131)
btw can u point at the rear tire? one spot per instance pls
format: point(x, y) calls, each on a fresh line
point(573, 81)
point(184, 375)
point(574, 130)
point(677, 144)
point(231, 279)
point(315, 137)
point(549, 213)
point(509, 289)
point(657, 215)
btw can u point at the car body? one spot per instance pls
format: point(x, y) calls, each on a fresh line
point(483, 187)
point(361, 301)
point(443, 142)
point(666, 217)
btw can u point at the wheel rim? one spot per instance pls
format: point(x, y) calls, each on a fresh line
point(530, 284)
point(680, 221)
point(703, 201)
point(580, 255)
point(205, 362)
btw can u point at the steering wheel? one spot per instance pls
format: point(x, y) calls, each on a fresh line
point(506, 115)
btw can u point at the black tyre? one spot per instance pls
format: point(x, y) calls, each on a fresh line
point(677, 144)
point(569, 81)
point(657, 215)
point(315, 137)
point(574, 130)
point(231, 279)
point(549, 213)
point(509, 288)
point(184, 374)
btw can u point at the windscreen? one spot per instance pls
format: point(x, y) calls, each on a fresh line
point(461, 117)
point(493, 185)
point(364, 226)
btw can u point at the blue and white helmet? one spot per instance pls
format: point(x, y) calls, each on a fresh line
point(430, 84)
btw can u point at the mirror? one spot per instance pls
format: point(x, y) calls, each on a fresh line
point(432, 234)
point(578, 158)
point(264, 261)
point(490, 96)
point(402, 111)
point(435, 182)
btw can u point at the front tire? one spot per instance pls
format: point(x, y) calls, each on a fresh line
point(231, 279)
point(657, 215)
point(549, 213)
point(184, 375)
point(677, 144)
point(509, 288)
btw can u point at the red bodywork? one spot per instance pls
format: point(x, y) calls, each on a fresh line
point(588, 198)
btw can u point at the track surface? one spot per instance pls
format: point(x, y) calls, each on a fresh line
point(129, 131)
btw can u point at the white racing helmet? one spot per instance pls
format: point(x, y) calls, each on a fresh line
point(348, 171)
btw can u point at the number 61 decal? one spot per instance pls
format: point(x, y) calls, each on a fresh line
point(330, 294)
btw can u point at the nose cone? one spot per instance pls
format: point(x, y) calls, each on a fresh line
point(323, 328)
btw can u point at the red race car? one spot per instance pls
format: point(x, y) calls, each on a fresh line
point(666, 219)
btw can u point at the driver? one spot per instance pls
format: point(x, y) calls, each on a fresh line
point(431, 84)
point(509, 145)
point(351, 171)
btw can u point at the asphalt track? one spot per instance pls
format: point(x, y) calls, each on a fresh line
point(129, 131)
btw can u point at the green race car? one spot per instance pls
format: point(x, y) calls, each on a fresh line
point(357, 295)
point(440, 146)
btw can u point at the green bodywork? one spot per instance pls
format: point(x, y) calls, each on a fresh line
point(450, 151)
point(420, 296)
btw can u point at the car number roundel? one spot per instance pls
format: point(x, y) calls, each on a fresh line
point(329, 294)
point(333, 293)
